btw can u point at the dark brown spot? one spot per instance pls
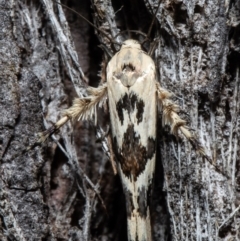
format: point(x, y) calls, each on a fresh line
point(133, 156)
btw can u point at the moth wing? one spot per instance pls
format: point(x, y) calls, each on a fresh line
point(133, 113)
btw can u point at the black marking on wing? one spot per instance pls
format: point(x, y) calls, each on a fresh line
point(122, 104)
point(129, 201)
point(129, 102)
point(133, 156)
point(140, 109)
point(142, 202)
point(151, 146)
point(144, 199)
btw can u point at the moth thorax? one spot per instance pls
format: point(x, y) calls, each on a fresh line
point(131, 43)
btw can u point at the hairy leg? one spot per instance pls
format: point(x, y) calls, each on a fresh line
point(82, 109)
point(171, 118)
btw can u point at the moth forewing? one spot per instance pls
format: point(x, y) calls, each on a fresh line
point(131, 80)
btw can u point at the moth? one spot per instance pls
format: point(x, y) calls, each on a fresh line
point(134, 97)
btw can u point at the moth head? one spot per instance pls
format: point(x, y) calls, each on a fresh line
point(131, 43)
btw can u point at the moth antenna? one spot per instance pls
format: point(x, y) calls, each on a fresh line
point(132, 31)
point(152, 46)
point(86, 20)
point(151, 25)
point(104, 48)
point(153, 20)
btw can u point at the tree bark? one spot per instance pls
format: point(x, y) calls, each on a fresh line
point(66, 189)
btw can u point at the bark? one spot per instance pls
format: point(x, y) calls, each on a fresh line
point(66, 189)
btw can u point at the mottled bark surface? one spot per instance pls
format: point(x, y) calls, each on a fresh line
point(66, 189)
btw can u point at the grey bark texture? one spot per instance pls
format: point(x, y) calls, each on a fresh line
point(66, 189)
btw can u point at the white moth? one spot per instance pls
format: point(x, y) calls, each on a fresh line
point(132, 98)
point(134, 95)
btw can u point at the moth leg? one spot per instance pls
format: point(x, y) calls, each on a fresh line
point(82, 109)
point(171, 118)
